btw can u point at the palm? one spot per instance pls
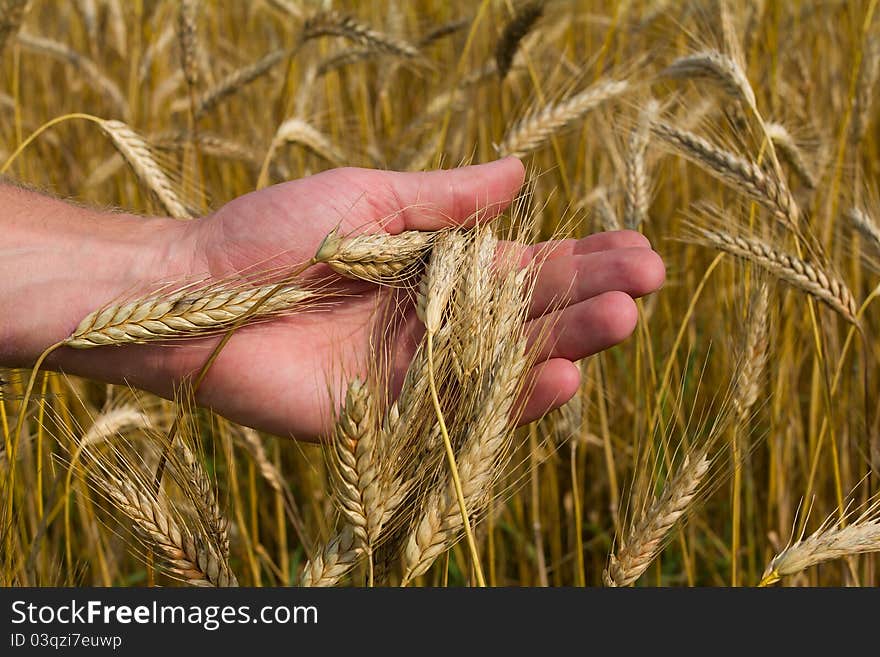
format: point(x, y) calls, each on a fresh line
point(281, 375)
point(309, 354)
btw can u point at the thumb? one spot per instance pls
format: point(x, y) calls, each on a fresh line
point(436, 199)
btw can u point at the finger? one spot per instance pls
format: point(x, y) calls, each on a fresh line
point(549, 385)
point(585, 328)
point(436, 199)
point(615, 239)
point(566, 280)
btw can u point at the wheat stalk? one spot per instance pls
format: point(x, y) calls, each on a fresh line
point(540, 123)
point(803, 275)
point(181, 314)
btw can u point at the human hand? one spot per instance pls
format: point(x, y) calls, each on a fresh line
point(279, 376)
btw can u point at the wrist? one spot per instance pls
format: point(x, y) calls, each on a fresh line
point(63, 262)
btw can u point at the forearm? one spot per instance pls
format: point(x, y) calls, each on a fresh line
point(59, 262)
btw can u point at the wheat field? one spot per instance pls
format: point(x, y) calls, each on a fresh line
point(732, 440)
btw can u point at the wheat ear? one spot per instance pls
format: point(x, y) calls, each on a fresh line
point(716, 67)
point(441, 31)
point(339, 556)
point(181, 314)
point(829, 542)
point(332, 23)
point(638, 182)
point(11, 17)
point(112, 422)
point(195, 561)
point(755, 353)
point(867, 80)
point(88, 67)
point(803, 275)
point(540, 123)
point(484, 434)
point(188, 37)
point(200, 489)
point(356, 477)
point(238, 79)
point(737, 172)
point(376, 257)
point(136, 153)
point(514, 32)
point(866, 226)
point(299, 131)
point(789, 151)
point(638, 549)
